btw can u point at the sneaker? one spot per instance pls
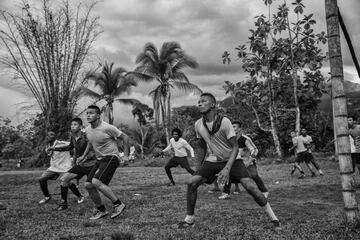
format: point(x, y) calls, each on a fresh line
point(183, 225)
point(62, 207)
point(236, 192)
point(80, 199)
point(98, 214)
point(214, 190)
point(44, 200)
point(224, 196)
point(118, 209)
point(276, 224)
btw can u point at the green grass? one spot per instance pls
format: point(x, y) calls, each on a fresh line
point(311, 208)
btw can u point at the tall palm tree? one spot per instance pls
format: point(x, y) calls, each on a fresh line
point(166, 67)
point(109, 85)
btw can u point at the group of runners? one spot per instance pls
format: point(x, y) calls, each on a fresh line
point(223, 156)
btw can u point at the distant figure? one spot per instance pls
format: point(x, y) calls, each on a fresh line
point(19, 163)
point(297, 160)
point(354, 131)
point(132, 154)
point(179, 145)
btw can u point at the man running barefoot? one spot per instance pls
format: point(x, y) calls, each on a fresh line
point(60, 163)
point(247, 153)
point(102, 138)
point(179, 145)
point(303, 151)
point(297, 160)
point(219, 150)
point(78, 143)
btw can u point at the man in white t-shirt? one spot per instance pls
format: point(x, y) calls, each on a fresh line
point(218, 153)
point(60, 163)
point(102, 138)
point(303, 151)
point(179, 145)
point(354, 130)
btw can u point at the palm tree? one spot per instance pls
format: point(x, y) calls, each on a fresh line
point(164, 66)
point(108, 85)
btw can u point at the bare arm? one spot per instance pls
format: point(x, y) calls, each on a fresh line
point(188, 147)
point(200, 149)
point(168, 148)
point(251, 146)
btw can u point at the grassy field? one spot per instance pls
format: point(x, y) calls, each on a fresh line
point(310, 208)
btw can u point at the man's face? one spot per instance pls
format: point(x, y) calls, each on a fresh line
point(175, 135)
point(303, 132)
point(237, 128)
point(350, 121)
point(75, 127)
point(205, 104)
point(92, 115)
point(50, 136)
point(293, 134)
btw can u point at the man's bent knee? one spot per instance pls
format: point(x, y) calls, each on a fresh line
point(89, 185)
point(96, 182)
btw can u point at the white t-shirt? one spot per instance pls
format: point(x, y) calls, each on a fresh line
point(60, 161)
point(301, 142)
point(103, 139)
point(180, 147)
point(218, 145)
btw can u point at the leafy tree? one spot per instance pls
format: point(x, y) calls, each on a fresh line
point(166, 67)
point(283, 62)
point(46, 50)
point(109, 85)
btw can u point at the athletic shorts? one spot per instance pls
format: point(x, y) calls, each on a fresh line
point(104, 169)
point(50, 175)
point(176, 161)
point(209, 170)
point(304, 157)
point(80, 171)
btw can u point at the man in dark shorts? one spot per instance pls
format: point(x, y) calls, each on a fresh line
point(179, 145)
point(354, 130)
point(220, 148)
point(294, 138)
point(102, 138)
point(247, 153)
point(78, 144)
point(303, 152)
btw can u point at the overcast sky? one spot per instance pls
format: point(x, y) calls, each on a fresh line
point(204, 28)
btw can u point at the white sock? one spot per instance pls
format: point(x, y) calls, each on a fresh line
point(190, 218)
point(266, 194)
point(270, 212)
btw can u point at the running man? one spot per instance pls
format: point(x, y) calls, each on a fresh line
point(354, 131)
point(78, 144)
point(179, 145)
point(247, 153)
point(219, 150)
point(297, 160)
point(60, 163)
point(102, 138)
point(303, 151)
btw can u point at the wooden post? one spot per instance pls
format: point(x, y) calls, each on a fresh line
point(342, 143)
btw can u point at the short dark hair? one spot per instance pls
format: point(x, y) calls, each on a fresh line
point(177, 130)
point(98, 111)
point(78, 120)
point(352, 116)
point(209, 95)
point(237, 123)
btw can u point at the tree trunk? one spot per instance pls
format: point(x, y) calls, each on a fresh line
point(342, 143)
point(111, 117)
point(168, 117)
point(275, 134)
